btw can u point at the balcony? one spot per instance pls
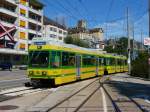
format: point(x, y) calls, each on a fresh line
point(12, 51)
point(12, 1)
point(34, 32)
point(35, 21)
point(8, 12)
point(6, 23)
point(38, 12)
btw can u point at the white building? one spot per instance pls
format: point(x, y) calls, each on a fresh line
point(94, 36)
point(54, 30)
point(20, 21)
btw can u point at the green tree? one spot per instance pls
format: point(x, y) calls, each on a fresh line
point(140, 65)
point(68, 40)
point(120, 46)
point(76, 41)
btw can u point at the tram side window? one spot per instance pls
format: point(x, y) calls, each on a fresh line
point(119, 62)
point(101, 61)
point(55, 59)
point(113, 61)
point(68, 59)
point(89, 60)
point(108, 61)
point(105, 61)
point(122, 62)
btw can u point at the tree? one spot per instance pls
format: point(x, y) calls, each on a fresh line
point(76, 41)
point(68, 40)
point(140, 65)
point(119, 46)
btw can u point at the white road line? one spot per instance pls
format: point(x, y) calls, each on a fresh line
point(14, 89)
point(104, 100)
point(13, 80)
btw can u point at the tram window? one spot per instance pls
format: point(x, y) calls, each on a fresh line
point(55, 59)
point(88, 60)
point(108, 61)
point(122, 62)
point(119, 62)
point(38, 59)
point(101, 61)
point(113, 62)
point(68, 59)
point(105, 60)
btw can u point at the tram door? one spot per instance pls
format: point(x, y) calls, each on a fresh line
point(78, 66)
point(97, 67)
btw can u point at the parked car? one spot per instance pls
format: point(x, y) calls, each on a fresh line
point(23, 67)
point(6, 65)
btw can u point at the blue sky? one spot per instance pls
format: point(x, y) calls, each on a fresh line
point(98, 13)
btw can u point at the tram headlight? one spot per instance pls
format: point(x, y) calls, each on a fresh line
point(31, 73)
point(44, 73)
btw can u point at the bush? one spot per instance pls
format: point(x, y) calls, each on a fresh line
point(140, 65)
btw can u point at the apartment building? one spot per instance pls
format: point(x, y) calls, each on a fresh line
point(54, 30)
point(20, 22)
point(94, 36)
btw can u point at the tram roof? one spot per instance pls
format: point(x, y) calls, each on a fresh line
point(51, 44)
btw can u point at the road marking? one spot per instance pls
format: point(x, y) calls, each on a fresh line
point(104, 100)
point(13, 89)
point(13, 80)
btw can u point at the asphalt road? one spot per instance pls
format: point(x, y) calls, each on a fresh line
point(121, 88)
point(14, 78)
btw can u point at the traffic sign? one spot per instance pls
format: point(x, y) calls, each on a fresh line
point(146, 41)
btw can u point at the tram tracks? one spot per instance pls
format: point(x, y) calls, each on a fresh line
point(78, 98)
point(118, 104)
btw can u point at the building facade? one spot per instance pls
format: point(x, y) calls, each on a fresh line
point(20, 22)
point(54, 30)
point(94, 37)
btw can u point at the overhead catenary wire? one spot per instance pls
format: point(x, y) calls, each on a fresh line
point(87, 12)
point(75, 9)
point(64, 10)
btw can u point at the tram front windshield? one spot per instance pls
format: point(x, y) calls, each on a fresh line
point(38, 59)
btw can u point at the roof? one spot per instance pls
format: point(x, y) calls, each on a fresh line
point(36, 3)
point(77, 30)
point(48, 21)
point(84, 30)
point(94, 30)
point(51, 44)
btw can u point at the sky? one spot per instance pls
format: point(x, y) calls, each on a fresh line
point(108, 14)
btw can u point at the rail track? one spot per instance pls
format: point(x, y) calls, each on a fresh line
point(115, 103)
point(75, 108)
point(76, 94)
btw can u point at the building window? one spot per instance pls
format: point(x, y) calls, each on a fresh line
point(22, 12)
point(64, 33)
point(55, 30)
point(60, 38)
point(22, 35)
point(22, 23)
point(22, 46)
point(23, 2)
point(60, 31)
point(53, 36)
point(51, 29)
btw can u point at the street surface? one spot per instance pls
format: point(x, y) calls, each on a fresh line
point(128, 93)
point(14, 78)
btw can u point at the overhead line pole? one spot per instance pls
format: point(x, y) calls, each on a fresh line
point(129, 47)
point(149, 37)
point(133, 55)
